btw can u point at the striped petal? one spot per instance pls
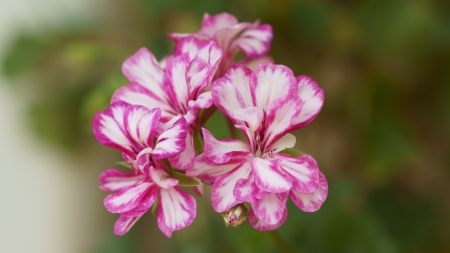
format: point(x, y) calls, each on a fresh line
point(128, 199)
point(138, 95)
point(161, 178)
point(303, 171)
point(123, 224)
point(141, 124)
point(172, 141)
point(185, 159)
point(212, 24)
point(222, 198)
point(114, 180)
point(208, 171)
point(313, 201)
point(312, 96)
point(109, 128)
point(268, 176)
point(270, 209)
point(176, 210)
point(271, 82)
point(255, 42)
point(143, 69)
point(233, 91)
point(222, 151)
point(176, 79)
point(261, 225)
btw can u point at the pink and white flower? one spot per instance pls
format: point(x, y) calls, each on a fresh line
point(265, 105)
point(252, 39)
point(132, 129)
point(175, 86)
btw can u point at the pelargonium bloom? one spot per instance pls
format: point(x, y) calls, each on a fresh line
point(252, 39)
point(176, 87)
point(132, 129)
point(266, 105)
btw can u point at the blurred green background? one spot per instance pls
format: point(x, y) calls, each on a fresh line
point(382, 138)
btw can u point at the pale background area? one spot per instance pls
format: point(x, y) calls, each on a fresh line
point(48, 200)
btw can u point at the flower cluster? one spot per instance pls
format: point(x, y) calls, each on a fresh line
point(154, 120)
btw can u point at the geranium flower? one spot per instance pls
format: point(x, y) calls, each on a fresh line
point(252, 39)
point(132, 129)
point(176, 86)
point(266, 105)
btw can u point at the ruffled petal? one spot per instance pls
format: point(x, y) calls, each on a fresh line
point(143, 69)
point(313, 201)
point(271, 82)
point(312, 96)
point(251, 117)
point(223, 151)
point(145, 204)
point(114, 180)
point(172, 141)
point(176, 210)
point(303, 170)
point(270, 209)
point(268, 176)
point(127, 199)
point(222, 197)
point(243, 190)
point(261, 225)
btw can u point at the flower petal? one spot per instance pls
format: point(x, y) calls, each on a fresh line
point(222, 197)
point(141, 124)
point(114, 180)
point(233, 91)
point(145, 204)
point(185, 159)
point(161, 178)
point(208, 171)
point(138, 95)
point(303, 170)
point(172, 141)
point(243, 190)
point(313, 97)
point(261, 225)
point(124, 223)
point(270, 209)
point(203, 101)
point(268, 177)
point(142, 68)
point(271, 82)
point(313, 201)
point(127, 199)
point(287, 141)
point(176, 210)
point(109, 128)
point(222, 151)
point(251, 116)
point(212, 24)
point(280, 116)
point(176, 79)
point(255, 42)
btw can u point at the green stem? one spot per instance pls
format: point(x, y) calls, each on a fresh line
point(276, 238)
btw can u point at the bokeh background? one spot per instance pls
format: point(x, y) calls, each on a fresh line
point(382, 138)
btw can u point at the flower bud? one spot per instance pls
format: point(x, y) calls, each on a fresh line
point(236, 216)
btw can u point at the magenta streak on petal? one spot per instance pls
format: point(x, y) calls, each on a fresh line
point(176, 75)
point(222, 197)
point(161, 178)
point(212, 24)
point(255, 42)
point(142, 123)
point(127, 199)
point(313, 201)
point(261, 225)
point(269, 177)
point(145, 204)
point(221, 151)
point(270, 209)
point(304, 172)
point(114, 180)
point(185, 159)
point(313, 97)
point(176, 210)
point(208, 171)
point(172, 141)
point(123, 224)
